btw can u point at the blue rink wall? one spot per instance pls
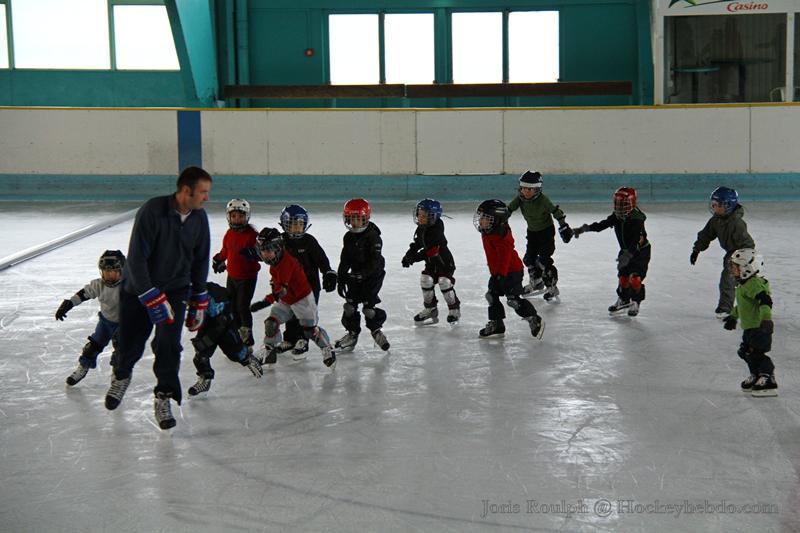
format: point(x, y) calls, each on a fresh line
point(560, 188)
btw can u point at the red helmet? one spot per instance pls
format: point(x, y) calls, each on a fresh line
point(356, 215)
point(624, 201)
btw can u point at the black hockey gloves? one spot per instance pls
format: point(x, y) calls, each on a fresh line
point(566, 233)
point(63, 309)
point(693, 257)
point(218, 264)
point(329, 281)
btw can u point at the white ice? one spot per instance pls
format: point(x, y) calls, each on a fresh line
point(644, 413)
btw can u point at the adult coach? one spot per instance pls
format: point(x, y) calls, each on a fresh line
point(167, 266)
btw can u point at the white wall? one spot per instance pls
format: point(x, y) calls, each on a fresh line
point(734, 139)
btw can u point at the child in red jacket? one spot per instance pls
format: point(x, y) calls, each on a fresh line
point(291, 296)
point(238, 248)
point(505, 268)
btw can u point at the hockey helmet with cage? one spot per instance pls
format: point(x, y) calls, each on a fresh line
point(291, 216)
point(624, 201)
point(491, 216)
point(356, 215)
point(432, 209)
point(111, 260)
point(270, 239)
point(749, 262)
point(242, 206)
point(531, 180)
point(723, 196)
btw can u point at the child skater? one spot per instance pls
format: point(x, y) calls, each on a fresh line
point(539, 213)
point(235, 256)
point(505, 270)
point(430, 245)
point(726, 224)
point(361, 272)
point(754, 308)
point(106, 290)
point(305, 248)
point(219, 329)
point(291, 296)
point(634, 254)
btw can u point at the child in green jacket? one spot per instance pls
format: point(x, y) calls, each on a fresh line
point(754, 309)
point(539, 213)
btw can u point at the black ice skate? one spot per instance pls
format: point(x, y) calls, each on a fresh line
point(494, 328)
point(764, 386)
point(254, 366)
point(299, 352)
point(329, 357)
point(202, 385)
point(453, 316)
point(164, 411)
point(116, 391)
point(347, 343)
point(722, 313)
point(537, 326)
point(380, 339)
point(619, 306)
point(747, 384)
point(428, 316)
point(535, 287)
point(551, 294)
point(269, 354)
point(77, 375)
point(633, 309)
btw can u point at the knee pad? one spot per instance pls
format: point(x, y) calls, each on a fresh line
point(310, 333)
point(624, 282)
point(426, 282)
point(91, 349)
point(514, 302)
point(636, 282)
point(369, 312)
point(445, 284)
point(490, 297)
point(271, 327)
point(349, 309)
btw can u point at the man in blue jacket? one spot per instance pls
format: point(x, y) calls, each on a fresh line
point(167, 266)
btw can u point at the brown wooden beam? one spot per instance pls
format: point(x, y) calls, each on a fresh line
point(315, 91)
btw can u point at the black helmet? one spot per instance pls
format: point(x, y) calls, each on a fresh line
point(111, 260)
point(270, 239)
point(531, 180)
point(493, 211)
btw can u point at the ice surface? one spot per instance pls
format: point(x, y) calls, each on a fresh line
point(645, 410)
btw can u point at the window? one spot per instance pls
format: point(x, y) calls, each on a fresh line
point(724, 58)
point(3, 38)
point(533, 46)
point(57, 34)
point(143, 39)
point(477, 47)
point(409, 48)
point(354, 55)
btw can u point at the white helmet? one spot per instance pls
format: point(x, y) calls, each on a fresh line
point(238, 205)
point(749, 262)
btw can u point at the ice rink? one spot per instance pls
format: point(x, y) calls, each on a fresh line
point(607, 424)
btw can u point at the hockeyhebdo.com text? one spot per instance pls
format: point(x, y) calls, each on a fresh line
point(604, 508)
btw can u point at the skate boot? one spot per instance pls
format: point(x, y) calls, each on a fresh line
point(453, 315)
point(620, 305)
point(380, 339)
point(269, 354)
point(284, 346)
point(551, 294)
point(722, 313)
point(536, 286)
point(633, 309)
point(537, 326)
point(347, 343)
point(164, 411)
point(253, 365)
point(765, 385)
point(329, 357)
point(202, 385)
point(77, 375)
point(247, 335)
point(494, 328)
point(116, 391)
point(300, 349)
point(747, 384)
point(429, 315)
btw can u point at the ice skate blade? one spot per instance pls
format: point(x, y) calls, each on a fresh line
point(540, 334)
point(768, 393)
point(426, 322)
point(492, 336)
point(297, 357)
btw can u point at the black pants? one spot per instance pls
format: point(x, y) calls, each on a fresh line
point(509, 286)
point(541, 245)
point(294, 331)
point(134, 330)
point(365, 293)
point(753, 349)
point(241, 293)
point(218, 331)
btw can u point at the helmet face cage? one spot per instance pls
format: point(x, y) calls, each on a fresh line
point(624, 201)
point(432, 210)
point(355, 215)
point(294, 221)
point(748, 261)
point(725, 197)
point(270, 239)
point(111, 260)
point(490, 216)
point(242, 206)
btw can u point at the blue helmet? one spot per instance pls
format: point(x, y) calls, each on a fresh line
point(726, 197)
point(430, 207)
point(290, 215)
